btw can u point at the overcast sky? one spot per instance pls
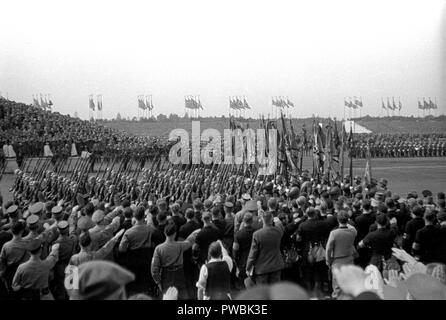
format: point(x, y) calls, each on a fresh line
point(314, 52)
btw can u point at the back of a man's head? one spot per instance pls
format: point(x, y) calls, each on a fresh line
point(381, 220)
point(311, 213)
point(139, 213)
point(272, 204)
point(215, 250)
point(215, 213)
point(417, 211)
point(85, 239)
point(170, 229)
point(267, 217)
point(366, 205)
point(128, 213)
point(342, 217)
point(189, 213)
point(18, 227)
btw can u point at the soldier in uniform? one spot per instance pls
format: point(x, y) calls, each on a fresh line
point(13, 253)
point(31, 278)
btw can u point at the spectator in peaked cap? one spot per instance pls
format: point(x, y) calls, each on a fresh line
point(32, 220)
point(34, 244)
point(56, 211)
point(207, 204)
point(36, 208)
point(12, 211)
point(228, 204)
point(251, 206)
point(102, 280)
point(62, 225)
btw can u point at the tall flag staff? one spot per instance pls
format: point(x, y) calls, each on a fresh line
point(393, 105)
point(50, 103)
point(383, 106)
point(400, 106)
point(91, 106)
point(99, 106)
point(149, 106)
point(420, 107)
point(425, 106)
point(389, 107)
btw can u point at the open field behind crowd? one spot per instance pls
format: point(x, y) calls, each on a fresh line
point(394, 125)
point(404, 174)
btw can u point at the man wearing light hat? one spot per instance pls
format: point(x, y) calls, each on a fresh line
point(101, 280)
point(102, 232)
point(31, 277)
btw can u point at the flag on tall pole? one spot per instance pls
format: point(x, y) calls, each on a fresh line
point(91, 103)
point(50, 103)
point(99, 102)
point(368, 168)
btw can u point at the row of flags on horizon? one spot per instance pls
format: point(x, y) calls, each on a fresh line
point(353, 103)
point(427, 105)
point(44, 103)
point(282, 102)
point(91, 104)
point(191, 102)
point(237, 104)
point(145, 102)
point(391, 106)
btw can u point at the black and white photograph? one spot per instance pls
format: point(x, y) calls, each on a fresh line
point(239, 151)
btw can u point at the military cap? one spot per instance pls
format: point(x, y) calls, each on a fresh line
point(56, 210)
point(34, 244)
point(98, 280)
point(251, 205)
point(62, 225)
point(84, 223)
point(98, 216)
point(32, 219)
point(12, 209)
point(36, 208)
point(229, 204)
point(207, 203)
point(246, 197)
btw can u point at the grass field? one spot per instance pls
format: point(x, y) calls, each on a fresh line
point(394, 125)
point(404, 175)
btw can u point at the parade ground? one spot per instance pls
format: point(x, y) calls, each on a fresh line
point(404, 174)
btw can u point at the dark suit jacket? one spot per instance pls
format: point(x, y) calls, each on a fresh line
point(265, 255)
